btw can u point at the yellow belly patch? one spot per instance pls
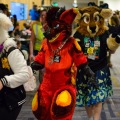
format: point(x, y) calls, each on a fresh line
point(64, 99)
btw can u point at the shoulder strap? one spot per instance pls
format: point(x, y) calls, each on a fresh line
point(11, 49)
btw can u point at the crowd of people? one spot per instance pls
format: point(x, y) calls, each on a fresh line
point(53, 50)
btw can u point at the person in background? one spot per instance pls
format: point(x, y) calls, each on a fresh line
point(34, 13)
point(26, 32)
point(16, 32)
point(10, 31)
point(15, 21)
point(3, 9)
point(13, 72)
point(37, 36)
point(22, 49)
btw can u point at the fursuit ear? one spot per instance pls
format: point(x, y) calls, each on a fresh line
point(69, 15)
point(106, 13)
point(59, 12)
point(78, 17)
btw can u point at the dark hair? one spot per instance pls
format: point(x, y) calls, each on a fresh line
point(34, 6)
point(39, 11)
point(3, 7)
point(27, 26)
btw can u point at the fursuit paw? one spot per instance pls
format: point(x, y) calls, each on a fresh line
point(117, 37)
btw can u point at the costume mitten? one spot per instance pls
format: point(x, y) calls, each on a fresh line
point(36, 66)
point(113, 41)
point(117, 37)
point(91, 75)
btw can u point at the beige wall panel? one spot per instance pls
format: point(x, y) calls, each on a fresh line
point(47, 2)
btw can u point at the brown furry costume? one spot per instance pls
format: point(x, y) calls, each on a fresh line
point(95, 41)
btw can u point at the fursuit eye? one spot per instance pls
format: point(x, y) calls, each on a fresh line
point(57, 26)
point(86, 19)
point(97, 18)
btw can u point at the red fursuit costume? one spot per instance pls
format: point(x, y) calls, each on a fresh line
point(56, 96)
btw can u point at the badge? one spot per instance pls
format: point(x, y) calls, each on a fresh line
point(56, 58)
point(87, 44)
point(92, 57)
point(97, 43)
point(90, 50)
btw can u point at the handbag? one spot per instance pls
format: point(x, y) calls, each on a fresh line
point(30, 85)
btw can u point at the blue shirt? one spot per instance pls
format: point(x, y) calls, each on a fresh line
point(34, 14)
